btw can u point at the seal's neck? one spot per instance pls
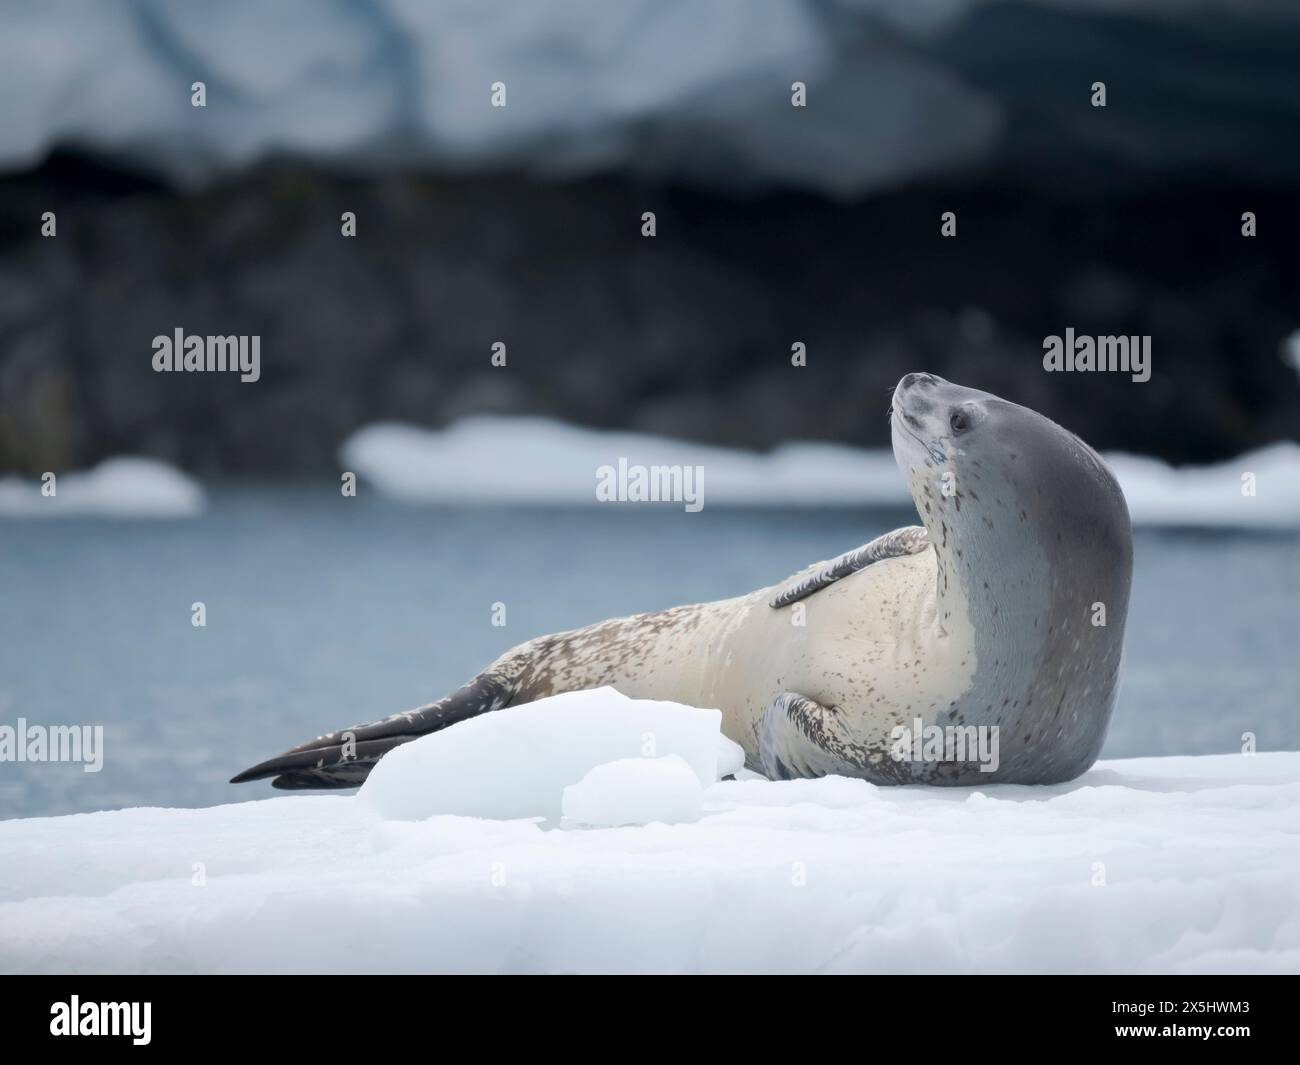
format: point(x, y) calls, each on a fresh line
point(1039, 566)
point(993, 575)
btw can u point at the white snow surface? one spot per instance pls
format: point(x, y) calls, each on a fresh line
point(1167, 865)
point(123, 487)
point(539, 461)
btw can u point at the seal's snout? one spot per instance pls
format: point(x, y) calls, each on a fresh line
point(918, 380)
point(913, 396)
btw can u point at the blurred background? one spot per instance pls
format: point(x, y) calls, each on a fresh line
point(522, 224)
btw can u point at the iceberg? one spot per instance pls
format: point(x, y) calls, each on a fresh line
point(635, 791)
point(517, 764)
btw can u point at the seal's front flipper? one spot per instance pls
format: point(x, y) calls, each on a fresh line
point(800, 737)
point(906, 541)
point(343, 759)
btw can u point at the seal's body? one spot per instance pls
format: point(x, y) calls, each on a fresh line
point(863, 645)
point(1005, 612)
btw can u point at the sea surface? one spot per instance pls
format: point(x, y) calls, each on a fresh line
point(324, 612)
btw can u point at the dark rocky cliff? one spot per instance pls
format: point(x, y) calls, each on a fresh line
point(688, 333)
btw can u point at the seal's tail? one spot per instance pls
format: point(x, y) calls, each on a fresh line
point(343, 759)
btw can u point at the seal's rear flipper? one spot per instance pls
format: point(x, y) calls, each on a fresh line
point(347, 775)
point(343, 759)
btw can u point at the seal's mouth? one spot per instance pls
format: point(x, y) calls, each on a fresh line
point(898, 424)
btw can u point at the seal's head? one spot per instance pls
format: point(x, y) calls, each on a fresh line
point(948, 438)
point(1035, 553)
point(934, 420)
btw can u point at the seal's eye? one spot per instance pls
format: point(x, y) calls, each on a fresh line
point(960, 421)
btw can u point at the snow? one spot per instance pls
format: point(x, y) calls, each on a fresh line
point(1168, 865)
point(536, 460)
point(663, 88)
point(591, 87)
point(490, 459)
point(1215, 495)
point(695, 92)
point(518, 764)
point(635, 791)
point(121, 487)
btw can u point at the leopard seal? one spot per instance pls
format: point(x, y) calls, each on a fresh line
point(1003, 610)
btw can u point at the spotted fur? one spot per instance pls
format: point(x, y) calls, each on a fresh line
point(982, 617)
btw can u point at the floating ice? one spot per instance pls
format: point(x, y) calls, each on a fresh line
point(118, 487)
point(731, 757)
point(635, 791)
point(535, 460)
point(518, 763)
point(1260, 489)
